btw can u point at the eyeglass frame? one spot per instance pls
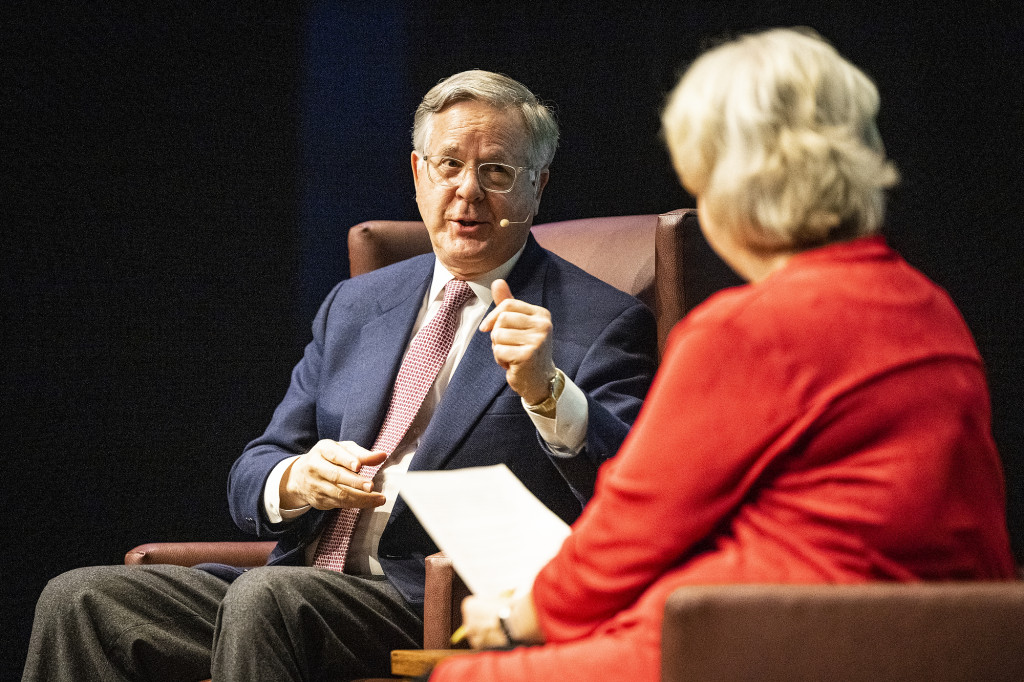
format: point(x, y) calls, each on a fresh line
point(517, 169)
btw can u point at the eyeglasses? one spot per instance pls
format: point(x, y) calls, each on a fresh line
point(492, 176)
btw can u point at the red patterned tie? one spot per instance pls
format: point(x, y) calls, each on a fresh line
point(427, 354)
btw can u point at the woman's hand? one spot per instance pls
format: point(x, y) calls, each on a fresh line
point(483, 627)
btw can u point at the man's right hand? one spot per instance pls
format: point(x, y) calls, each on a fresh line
point(327, 477)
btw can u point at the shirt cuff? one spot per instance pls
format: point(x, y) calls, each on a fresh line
point(566, 432)
point(272, 495)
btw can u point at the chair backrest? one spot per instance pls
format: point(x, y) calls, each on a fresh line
point(661, 259)
point(848, 633)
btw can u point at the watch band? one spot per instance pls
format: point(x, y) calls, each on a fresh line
point(504, 615)
point(546, 408)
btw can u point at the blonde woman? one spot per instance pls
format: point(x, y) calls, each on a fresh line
point(827, 423)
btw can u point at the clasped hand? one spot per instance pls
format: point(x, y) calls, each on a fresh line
point(482, 625)
point(521, 343)
point(327, 477)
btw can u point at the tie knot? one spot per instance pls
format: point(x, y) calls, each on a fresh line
point(456, 292)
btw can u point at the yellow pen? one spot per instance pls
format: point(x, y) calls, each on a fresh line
point(458, 635)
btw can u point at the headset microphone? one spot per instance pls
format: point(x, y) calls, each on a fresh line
point(505, 222)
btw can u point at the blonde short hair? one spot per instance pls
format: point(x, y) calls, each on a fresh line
point(776, 132)
point(501, 92)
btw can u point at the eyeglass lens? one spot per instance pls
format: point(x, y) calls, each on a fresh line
point(496, 177)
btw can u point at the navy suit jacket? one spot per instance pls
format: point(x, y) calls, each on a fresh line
point(603, 339)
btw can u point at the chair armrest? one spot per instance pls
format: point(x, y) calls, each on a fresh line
point(872, 633)
point(376, 243)
point(415, 662)
point(244, 554)
point(442, 602)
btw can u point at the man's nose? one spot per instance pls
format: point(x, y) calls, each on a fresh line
point(469, 185)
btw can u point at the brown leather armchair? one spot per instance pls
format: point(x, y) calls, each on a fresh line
point(876, 632)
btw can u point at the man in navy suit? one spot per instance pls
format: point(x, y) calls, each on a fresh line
point(546, 373)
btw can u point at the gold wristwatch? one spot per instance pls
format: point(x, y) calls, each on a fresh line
point(546, 408)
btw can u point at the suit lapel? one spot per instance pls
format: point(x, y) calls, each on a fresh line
point(379, 349)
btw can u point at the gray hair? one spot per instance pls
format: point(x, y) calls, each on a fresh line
point(776, 131)
point(501, 92)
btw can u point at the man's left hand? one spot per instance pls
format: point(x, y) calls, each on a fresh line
point(521, 342)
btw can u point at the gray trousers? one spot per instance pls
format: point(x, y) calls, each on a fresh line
point(174, 623)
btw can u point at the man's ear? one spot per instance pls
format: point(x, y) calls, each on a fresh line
point(415, 159)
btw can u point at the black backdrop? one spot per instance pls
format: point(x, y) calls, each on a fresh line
point(177, 184)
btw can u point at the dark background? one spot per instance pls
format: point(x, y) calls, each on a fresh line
point(177, 184)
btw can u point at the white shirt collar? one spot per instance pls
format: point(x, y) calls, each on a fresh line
point(481, 286)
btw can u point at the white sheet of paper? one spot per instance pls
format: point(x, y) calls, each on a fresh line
point(497, 534)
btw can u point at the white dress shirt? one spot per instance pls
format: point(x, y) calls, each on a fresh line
point(565, 434)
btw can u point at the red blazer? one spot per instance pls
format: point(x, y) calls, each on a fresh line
point(829, 424)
